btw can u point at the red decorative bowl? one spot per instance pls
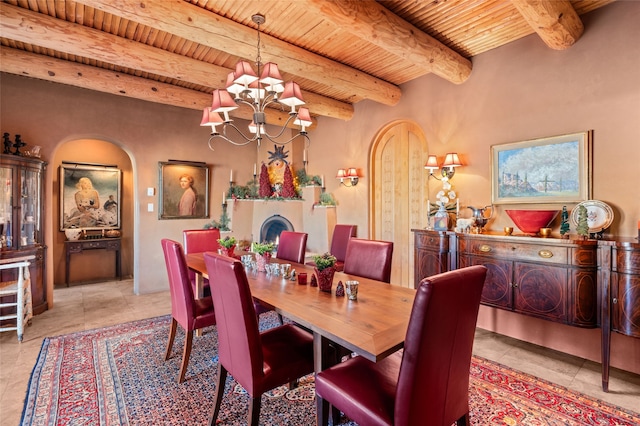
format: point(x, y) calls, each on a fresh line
point(530, 221)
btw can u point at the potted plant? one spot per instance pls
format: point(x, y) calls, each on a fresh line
point(227, 245)
point(263, 254)
point(324, 270)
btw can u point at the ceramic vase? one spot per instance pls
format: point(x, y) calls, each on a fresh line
point(262, 260)
point(325, 278)
point(228, 251)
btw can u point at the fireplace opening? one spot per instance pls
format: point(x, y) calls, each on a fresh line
point(273, 226)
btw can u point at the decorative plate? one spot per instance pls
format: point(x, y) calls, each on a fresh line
point(599, 215)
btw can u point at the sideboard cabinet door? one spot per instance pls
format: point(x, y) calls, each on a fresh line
point(431, 254)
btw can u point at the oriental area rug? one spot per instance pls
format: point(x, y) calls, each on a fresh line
point(117, 376)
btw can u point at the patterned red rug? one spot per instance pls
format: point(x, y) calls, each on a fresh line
point(117, 376)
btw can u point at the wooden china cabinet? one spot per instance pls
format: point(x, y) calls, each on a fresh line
point(21, 220)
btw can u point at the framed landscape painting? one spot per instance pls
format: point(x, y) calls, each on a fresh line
point(184, 190)
point(89, 196)
point(555, 169)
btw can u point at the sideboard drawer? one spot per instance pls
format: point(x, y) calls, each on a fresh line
point(515, 251)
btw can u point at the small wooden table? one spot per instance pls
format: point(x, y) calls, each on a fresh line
point(374, 326)
point(75, 247)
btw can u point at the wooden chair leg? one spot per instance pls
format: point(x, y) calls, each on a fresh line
point(322, 406)
point(172, 335)
point(254, 410)
point(217, 398)
point(188, 342)
point(464, 420)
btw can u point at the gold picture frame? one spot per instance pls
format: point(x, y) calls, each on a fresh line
point(554, 169)
point(188, 200)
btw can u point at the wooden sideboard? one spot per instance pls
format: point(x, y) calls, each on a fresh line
point(620, 301)
point(548, 278)
point(581, 283)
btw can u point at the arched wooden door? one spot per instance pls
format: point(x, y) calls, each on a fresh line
point(398, 192)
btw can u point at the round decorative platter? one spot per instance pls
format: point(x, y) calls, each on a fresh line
point(599, 215)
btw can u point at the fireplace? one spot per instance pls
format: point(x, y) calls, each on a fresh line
point(273, 226)
point(252, 220)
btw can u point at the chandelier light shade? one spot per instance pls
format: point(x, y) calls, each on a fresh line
point(211, 118)
point(245, 88)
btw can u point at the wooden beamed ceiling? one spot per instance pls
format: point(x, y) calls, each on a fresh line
point(341, 52)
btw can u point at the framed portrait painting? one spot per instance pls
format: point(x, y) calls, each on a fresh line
point(184, 190)
point(555, 169)
point(89, 196)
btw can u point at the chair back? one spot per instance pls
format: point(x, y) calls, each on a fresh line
point(341, 236)
point(182, 299)
point(369, 259)
point(199, 241)
point(433, 382)
point(239, 344)
point(292, 246)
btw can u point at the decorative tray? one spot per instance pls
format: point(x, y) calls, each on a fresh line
point(599, 215)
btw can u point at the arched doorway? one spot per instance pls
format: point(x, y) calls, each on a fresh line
point(97, 265)
point(398, 188)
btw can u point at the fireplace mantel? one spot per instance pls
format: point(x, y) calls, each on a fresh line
point(247, 216)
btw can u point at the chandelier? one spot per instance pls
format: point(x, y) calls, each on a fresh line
point(258, 93)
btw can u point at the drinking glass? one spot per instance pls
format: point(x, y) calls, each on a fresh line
point(351, 288)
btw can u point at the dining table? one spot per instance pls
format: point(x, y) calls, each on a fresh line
point(373, 326)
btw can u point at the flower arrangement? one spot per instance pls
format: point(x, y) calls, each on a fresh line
point(324, 261)
point(262, 248)
point(227, 242)
point(447, 194)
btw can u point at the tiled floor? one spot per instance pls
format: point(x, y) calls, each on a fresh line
point(96, 305)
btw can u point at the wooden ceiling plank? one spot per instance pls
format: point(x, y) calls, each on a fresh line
point(193, 23)
point(89, 77)
point(555, 21)
point(372, 22)
point(52, 33)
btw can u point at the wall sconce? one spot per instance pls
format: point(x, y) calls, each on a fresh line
point(451, 161)
point(350, 173)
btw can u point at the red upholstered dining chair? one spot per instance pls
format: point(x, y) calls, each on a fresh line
point(257, 361)
point(339, 240)
point(369, 259)
point(428, 384)
point(186, 310)
point(292, 246)
point(199, 241)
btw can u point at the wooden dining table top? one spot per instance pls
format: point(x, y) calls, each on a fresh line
point(374, 326)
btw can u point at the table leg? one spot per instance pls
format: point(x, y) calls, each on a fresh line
point(323, 358)
point(199, 294)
